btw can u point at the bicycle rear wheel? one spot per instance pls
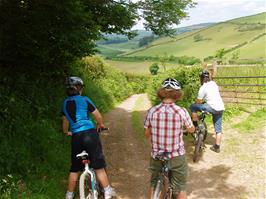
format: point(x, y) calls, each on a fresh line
point(85, 190)
point(198, 148)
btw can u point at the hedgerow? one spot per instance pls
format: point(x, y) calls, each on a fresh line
point(188, 78)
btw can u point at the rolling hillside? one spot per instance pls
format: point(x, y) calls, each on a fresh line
point(245, 35)
point(115, 45)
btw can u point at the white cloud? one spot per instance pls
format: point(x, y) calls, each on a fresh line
point(221, 10)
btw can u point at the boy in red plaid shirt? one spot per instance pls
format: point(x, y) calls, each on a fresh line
point(164, 125)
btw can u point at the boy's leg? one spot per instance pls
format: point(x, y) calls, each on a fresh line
point(72, 181)
point(102, 177)
point(194, 109)
point(218, 139)
point(217, 121)
point(181, 195)
point(179, 176)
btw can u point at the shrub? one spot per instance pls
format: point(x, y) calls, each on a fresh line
point(197, 38)
point(188, 78)
point(105, 85)
point(154, 69)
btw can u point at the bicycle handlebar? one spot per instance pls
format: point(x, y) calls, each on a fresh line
point(102, 129)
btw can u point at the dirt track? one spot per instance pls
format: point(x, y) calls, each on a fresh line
point(238, 172)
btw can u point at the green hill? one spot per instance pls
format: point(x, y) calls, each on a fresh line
point(115, 45)
point(246, 35)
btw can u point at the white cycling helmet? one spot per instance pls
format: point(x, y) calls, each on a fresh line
point(73, 81)
point(171, 83)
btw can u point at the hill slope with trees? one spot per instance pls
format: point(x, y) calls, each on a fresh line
point(233, 36)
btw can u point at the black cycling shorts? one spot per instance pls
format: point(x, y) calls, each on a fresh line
point(90, 142)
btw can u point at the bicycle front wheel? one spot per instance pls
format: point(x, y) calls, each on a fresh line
point(198, 148)
point(85, 190)
point(161, 190)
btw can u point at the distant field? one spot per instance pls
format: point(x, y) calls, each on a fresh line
point(224, 35)
point(250, 50)
point(115, 49)
point(141, 67)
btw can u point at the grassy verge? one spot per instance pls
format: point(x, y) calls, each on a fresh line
point(253, 122)
point(137, 120)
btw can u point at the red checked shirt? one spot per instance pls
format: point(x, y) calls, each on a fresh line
point(167, 121)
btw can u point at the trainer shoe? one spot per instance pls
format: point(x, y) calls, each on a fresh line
point(215, 148)
point(109, 192)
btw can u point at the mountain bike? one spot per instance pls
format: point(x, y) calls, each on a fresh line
point(88, 185)
point(200, 136)
point(163, 189)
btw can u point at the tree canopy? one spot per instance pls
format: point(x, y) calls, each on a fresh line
point(53, 33)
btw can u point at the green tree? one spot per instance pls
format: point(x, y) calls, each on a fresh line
point(198, 37)
point(54, 33)
point(235, 55)
point(220, 53)
point(154, 69)
point(146, 40)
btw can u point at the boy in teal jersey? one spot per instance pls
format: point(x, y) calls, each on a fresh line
point(84, 136)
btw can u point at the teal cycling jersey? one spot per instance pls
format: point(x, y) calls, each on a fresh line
point(76, 109)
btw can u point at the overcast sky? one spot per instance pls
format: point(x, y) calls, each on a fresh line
point(220, 10)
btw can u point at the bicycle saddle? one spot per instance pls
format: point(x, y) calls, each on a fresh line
point(82, 154)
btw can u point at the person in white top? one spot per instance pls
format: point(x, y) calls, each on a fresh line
point(209, 93)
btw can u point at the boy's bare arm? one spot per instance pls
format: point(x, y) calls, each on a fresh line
point(65, 126)
point(191, 129)
point(147, 132)
point(98, 118)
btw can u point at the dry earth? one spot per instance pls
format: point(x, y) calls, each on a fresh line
point(238, 172)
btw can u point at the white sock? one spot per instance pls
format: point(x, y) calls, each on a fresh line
point(69, 194)
point(107, 188)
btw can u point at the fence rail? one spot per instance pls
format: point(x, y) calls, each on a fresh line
point(236, 94)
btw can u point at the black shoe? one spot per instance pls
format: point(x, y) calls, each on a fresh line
point(215, 149)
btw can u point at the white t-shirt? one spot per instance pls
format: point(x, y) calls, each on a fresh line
point(209, 92)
